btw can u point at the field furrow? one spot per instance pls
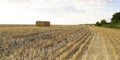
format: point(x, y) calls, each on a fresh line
point(79, 42)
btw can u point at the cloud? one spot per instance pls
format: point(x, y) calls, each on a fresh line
point(71, 5)
point(65, 4)
point(61, 3)
point(57, 11)
point(18, 1)
point(98, 2)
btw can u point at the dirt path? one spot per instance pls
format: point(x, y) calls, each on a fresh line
point(97, 49)
point(104, 45)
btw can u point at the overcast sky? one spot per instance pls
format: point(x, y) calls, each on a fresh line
point(57, 11)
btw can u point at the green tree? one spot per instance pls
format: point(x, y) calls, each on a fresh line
point(103, 22)
point(98, 23)
point(114, 21)
point(115, 18)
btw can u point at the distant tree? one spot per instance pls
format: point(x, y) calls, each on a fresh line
point(115, 18)
point(115, 21)
point(103, 22)
point(98, 23)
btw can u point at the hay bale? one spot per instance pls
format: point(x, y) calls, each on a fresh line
point(42, 23)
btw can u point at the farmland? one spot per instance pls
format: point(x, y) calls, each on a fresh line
point(77, 42)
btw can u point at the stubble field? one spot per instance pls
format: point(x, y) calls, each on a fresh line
point(59, 43)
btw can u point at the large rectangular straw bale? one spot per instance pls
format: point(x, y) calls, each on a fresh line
point(42, 23)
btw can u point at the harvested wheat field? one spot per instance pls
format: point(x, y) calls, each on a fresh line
point(59, 43)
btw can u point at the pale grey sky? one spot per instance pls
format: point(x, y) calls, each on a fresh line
point(56, 11)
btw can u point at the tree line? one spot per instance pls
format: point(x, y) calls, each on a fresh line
point(115, 21)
